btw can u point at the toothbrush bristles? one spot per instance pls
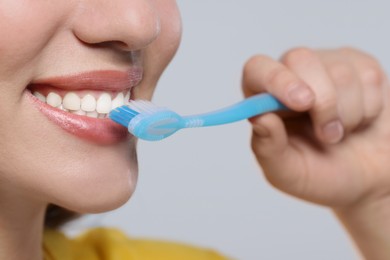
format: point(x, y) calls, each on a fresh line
point(127, 110)
point(143, 106)
point(123, 115)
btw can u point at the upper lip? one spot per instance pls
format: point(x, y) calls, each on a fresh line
point(110, 80)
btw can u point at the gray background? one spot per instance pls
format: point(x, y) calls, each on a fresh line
point(203, 186)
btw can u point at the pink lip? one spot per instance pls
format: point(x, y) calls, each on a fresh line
point(95, 80)
point(101, 131)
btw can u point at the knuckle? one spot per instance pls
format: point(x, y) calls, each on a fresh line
point(280, 79)
point(326, 103)
point(370, 70)
point(278, 76)
point(372, 76)
point(252, 74)
point(341, 74)
point(373, 110)
point(256, 149)
point(369, 117)
point(348, 50)
point(253, 62)
point(352, 120)
point(298, 56)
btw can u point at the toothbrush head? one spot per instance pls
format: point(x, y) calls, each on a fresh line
point(147, 121)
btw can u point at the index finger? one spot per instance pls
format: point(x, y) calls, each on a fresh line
point(263, 74)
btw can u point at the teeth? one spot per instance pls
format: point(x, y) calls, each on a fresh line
point(54, 99)
point(118, 101)
point(71, 101)
point(93, 114)
point(87, 105)
point(40, 96)
point(127, 97)
point(79, 112)
point(103, 105)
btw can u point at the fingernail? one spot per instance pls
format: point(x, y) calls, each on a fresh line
point(300, 95)
point(333, 131)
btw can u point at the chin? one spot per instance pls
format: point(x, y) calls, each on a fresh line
point(105, 201)
point(99, 195)
point(108, 184)
point(98, 180)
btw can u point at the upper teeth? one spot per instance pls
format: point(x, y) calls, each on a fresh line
point(87, 105)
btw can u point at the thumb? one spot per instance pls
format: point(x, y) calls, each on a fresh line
point(281, 162)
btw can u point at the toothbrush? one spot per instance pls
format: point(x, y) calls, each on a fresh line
point(149, 122)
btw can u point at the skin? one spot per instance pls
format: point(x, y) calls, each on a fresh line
point(39, 162)
point(344, 166)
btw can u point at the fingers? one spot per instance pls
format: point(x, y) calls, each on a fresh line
point(324, 113)
point(348, 88)
point(270, 145)
point(342, 90)
point(372, 79)
point(262, 74)
point(269, 136)
point(301, 82)
point(338, 90)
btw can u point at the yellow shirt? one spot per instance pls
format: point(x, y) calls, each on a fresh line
point(112, 244)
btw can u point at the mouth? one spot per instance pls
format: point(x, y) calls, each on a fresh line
point(89, 103)
point(80, 104)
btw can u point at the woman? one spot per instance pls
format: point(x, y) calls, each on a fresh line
point(64, 64)
point(82, 163)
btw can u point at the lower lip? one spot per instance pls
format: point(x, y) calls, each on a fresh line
point(100, 131)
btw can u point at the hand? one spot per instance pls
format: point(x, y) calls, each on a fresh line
point(335, 149)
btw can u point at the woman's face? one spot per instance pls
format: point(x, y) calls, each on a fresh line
point(78, 58)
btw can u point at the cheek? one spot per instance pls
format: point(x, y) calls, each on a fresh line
point(158, 55)
point(171, 30)
point(26, 27)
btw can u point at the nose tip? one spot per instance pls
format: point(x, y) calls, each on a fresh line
point(127, 25)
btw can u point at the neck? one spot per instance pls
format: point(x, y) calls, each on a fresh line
point(21, 229)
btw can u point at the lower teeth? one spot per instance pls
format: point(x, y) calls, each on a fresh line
point(83, 113)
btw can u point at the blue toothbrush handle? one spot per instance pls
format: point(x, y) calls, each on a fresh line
point(255, 105)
